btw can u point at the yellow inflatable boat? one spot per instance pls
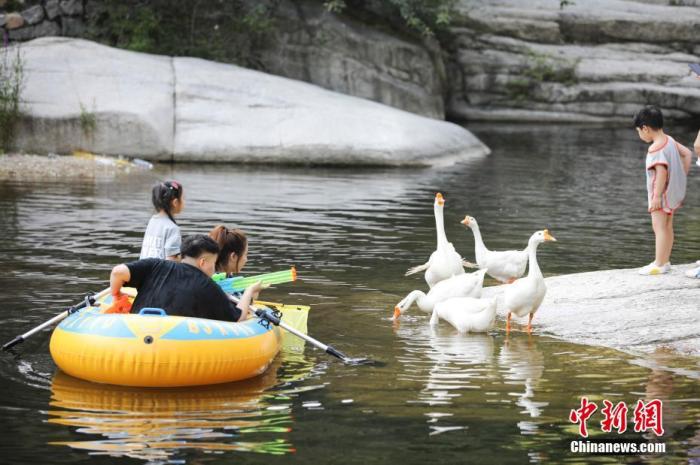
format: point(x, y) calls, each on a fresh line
point(153, 349)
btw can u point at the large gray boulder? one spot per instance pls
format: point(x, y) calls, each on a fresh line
point(621, 309)
point(345, 55)
point(80, 94)
point(597, 60)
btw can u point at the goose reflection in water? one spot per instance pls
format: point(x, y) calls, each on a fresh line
point(156, 424)
point(449, 365)
point(523, 364)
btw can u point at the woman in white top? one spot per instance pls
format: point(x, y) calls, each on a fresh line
point(163, 238)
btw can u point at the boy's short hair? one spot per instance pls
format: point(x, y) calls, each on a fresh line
point(197, 244)
point(649, 116)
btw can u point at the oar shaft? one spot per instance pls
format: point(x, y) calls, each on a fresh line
point(33, 331)
point(278, 322)
point(52, 321)
point(305, 337)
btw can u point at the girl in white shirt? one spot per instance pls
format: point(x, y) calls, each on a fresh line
point(162, 238)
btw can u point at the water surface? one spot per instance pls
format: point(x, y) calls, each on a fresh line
point(351, 233)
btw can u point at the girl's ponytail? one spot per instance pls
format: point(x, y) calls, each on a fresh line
point(163, 195)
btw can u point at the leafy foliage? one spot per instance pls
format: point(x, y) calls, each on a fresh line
point(11, 81)
point(542, 68)
point(222, 30)
point(425, 17)
point(235, 31)
point(88, 120)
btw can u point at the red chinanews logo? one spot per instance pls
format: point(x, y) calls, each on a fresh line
point(647, 416)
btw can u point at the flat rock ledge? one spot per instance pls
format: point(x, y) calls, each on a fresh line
point(576, 61)
point(622, 310)
point(41, 168)
point(82, 95)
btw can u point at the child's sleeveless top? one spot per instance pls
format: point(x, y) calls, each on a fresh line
point(674, 192)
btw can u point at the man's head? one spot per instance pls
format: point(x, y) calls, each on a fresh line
point(200, 251)
point(648, 121)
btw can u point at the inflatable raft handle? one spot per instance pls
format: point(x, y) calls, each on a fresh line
point(152, 311)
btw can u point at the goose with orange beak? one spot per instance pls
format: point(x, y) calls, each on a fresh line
point(505, 266)
point(462, 285)
point(444, 262)
point(524, 296)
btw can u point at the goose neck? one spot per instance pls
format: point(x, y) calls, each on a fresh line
point(534, 267)
point(440, 226)
point(419, 298)
point(479, 246)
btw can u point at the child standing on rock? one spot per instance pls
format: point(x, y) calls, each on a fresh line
point(695, 272)
point(667, 165)
point(162, 238)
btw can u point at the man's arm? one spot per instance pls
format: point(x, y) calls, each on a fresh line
point(119, 276)
point(697, 145)
point(251, 293)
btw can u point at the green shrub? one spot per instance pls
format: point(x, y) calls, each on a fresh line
point(565, 3)
point(542, 68)
point(519, 88)
point(222, 30)
point(11, 81)
point(425, 17)
point(88, 121)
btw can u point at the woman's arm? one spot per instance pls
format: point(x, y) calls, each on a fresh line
point(697, 145)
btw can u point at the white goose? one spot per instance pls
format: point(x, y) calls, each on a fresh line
point(461, 285)
point(466, 314)
point(445, 262)
point(505, 266)
point(524, 296)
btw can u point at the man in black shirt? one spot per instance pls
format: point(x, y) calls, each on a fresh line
point(185, 288)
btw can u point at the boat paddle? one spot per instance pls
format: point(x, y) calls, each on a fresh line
point(89, 300)
point(275, 318)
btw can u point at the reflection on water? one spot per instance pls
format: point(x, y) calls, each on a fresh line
point(153, 424)
point(450, 363)
point(523, 365)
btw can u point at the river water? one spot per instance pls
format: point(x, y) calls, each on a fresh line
point(352, 233)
